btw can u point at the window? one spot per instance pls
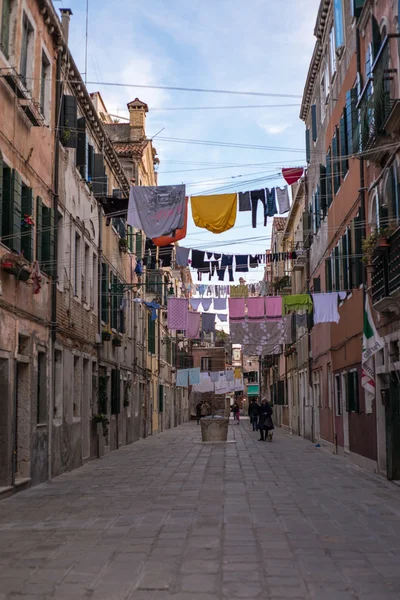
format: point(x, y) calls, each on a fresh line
point(60, 249)
point(352, 394)
point(105, 300)
point(329, 178)
point(58, 384)
point(119, 224)
point(11, 209)
point(77, 387)
point(206, 363)
point(358, 271)
point(308, 150)
point(69, 121)
point(94, 286)
point(27, 51)
point(45, 87)
point(332, 52)
point(151, 335)
point(81, 149)
point(100, 180)
point(316, 285)
point(336, 269)
point(322, 185)
point(139, 245)
point(338, 394)
point(356, 7)
point(45, 236)
point(160, 398)
point(344, 150)
point(27, 231)
point(77, 260)
point(314, 122)
point(328, 275)
point(86, 282)
point(115, 391)
point(324, 86)
point(339, 29)
point(352, 125)
point(329, 376)
point(336, 161)
point(41, 390)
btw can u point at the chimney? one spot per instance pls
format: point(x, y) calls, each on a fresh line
point(137, 120)
point(65, 19)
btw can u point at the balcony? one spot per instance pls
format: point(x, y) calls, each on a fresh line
point(379, 106)
point(24, 100)
point(386, 277)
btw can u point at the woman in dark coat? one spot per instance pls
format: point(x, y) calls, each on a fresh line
point(265, 423)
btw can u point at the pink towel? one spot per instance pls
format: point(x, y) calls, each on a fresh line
point(273, 308)
point(193, 327)
point(237, 308)
point(178, 310)
point(256, 309)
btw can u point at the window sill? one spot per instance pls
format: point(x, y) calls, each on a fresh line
point(41, 425)
point(76, 419)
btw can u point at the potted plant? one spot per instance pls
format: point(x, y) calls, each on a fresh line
point(116, 341)
point(27, 222)
point(123, 245)
point(106, 335)
point(15, 264)
point(103, 419)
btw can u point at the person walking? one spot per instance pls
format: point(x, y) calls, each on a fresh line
point(265, 419)
point(253, 413)
point(198, 412)
point(236, 412)
point(269, 425)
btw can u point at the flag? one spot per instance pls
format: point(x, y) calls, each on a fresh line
point(372, 343)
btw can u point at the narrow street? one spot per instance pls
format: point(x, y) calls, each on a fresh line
point(169, 517)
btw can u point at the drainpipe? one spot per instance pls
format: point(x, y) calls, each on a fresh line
point(160, 415)
point(53, 336)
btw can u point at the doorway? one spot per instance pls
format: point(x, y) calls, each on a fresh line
point(393, 429)
point(22, 420)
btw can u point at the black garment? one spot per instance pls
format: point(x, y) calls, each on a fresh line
point(264, 412)
point(254, 409)
point(257, 195)
point(198, 259)
point(227, 261)
point(214, 268)
point(253, 262)
point(217, 256)
point(209, 255)
point(244, 201)
point(242, 263)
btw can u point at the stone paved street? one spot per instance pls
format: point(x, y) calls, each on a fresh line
point(170, 518)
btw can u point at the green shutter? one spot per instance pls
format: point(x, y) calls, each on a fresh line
point(337, 268)
point(308, 148)
point(81, 147)
point(329, 178)
point(343, 144)
point(130, 237)
point(151, 335)
point(114, 301)
point(98, 175)
point(104, 294)
point(345, 253)
point(160, 398)
point(350, 259)
point(336, 162)
point(39, 229)
point(358, 251)
point(352, 401)
point(90, 162)
point(27, 233)
point(356, 392)
point(316, 285)
point(314, 122)
point(352, 126)
point(115, 391)
point(69, 116)
point(48, 241)
point(1, 192)
point(139, 245)
point(322, 184)
point(328, 274)
point(15, 216)
point(5, 28)
point(346, 387)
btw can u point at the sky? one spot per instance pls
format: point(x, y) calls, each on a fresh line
point(258, 46)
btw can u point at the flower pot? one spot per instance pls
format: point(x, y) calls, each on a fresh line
point(23, 275)
point(105, 336)
point(370, 269)
point(382, 242)
point(117, 342)
point(8, 267)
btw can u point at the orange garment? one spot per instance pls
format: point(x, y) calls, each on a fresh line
point(217, 213)
point(180, 234)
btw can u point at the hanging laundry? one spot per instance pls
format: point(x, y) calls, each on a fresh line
point(36, 278)
point(229, 375)
point(198, 260)
point(153, 306)
point(237, 307)
point(257, 195)
point(219, 303)
point(194, 376)
point(178, 310)
point(254, 262)
point(195, 303)
point(342, 295)
point(297, 302)
point(282, 195)
point(239, 291)
point(157, 211)
point(214, 267)
point(182, 378)
point(227, 261)
point(271, 209)
point(264, 337)
point(182, 256)
point(139, 268)
point(165, 256)
point(209, 255)
point(193, 326)
point(273, 308)
point(244, 201)
point(223, 318)
point(221, 385)
point(205, 384)
point(214, 376)
point(237, 372)
point(326, 308)
point(256, 309)
point(180, 234)
point(238, 385)
point(206, 303)
point(215, 213)
point(208, 323)
point(292, 175)
point(242, 263)
point(301, 320)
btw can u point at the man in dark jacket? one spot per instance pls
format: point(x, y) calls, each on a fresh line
point(253, 413)
point(264, 419)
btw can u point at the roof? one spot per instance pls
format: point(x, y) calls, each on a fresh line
point(129, 149)
point(279, 223)
point(136, 103)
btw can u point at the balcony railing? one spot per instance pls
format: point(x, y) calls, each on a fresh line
point(378, 97)
point(386, 276)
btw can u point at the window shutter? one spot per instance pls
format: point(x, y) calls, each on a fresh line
point(139, 245)
point(90, 162)
point(317, 285)
point(357, 6)
point(104, 294)
point(376, 36)
point(328, 274)
point(15, 212)
point(160, 398)
point(356, 392)
point(349, 258)
point(337, 269)
point(307, 227)
point(329, 178)
point(5, 28)
point(98, 175)
point(1, 193)
point(345, 252)
point(343, 144)
point(81, 144)
point(346, 387)
point(24, 50)
point(336, 162)
point(130, 237)
point(317, 209)
point(27, 233)
point(314, 122)
point(353, 142)
point(69, 116)
point(358, 251)
point(39, 229)
point(308, 149)
point(114, 301)
point(115, 392)
point(322, 183)
point(47, 240)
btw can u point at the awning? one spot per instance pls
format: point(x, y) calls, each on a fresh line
point(252, 390)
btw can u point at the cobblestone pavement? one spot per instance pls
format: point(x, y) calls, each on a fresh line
point(170, 518)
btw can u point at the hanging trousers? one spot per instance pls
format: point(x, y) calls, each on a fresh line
point(257, 195)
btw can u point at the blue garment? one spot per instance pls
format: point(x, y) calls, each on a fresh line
point(153, 307)
point(226, 261)
point(271, 209)
point(182, 378)
point(139, 268)
point(242, 263)
point(194, 376)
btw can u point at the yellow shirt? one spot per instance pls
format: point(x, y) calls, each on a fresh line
point(215, 213)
